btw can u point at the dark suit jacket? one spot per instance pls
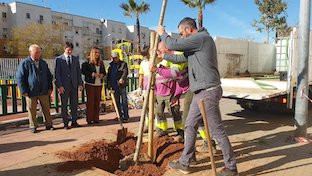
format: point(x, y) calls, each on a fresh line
point(67, 77)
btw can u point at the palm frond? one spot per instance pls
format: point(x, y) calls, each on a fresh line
point(143, 7)
point(126, 9)
point(190, 3)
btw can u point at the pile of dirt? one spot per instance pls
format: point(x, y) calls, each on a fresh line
point(99, 154)
point(106, 156)
point(128, 147)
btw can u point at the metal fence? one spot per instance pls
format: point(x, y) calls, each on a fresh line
point(11, 100)
point(8, 67)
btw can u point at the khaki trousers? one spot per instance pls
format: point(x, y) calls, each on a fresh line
point(32, 110)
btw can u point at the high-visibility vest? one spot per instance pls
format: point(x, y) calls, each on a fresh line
point(134, 61)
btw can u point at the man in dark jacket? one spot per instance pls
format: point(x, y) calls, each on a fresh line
point(200, 52)
point(117, 81)
point(34, 80)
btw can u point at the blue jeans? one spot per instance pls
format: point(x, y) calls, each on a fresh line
point(123, 105)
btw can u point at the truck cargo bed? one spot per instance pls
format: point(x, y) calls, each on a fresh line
point(251, 89)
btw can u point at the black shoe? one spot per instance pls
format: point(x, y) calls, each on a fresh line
point(176, 165)
point(96, 122)
point(34, 130)
point(227, 172)
point(180, 132)
point(75, 125)
point(66, 127)
point(145, 130)
point(51, 128)
point(89, 123)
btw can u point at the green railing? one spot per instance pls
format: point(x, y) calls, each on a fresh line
point(12, 102)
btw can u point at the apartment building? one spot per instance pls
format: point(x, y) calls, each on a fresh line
point(83, 32)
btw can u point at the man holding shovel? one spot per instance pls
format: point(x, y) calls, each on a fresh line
point(200, 52)
point(117, 81)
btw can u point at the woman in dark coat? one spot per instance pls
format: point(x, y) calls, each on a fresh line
point(94, 72)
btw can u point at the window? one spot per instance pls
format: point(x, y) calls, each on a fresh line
point(4, 15)
point(65, 23)
point(28, 15)
point(77, 32)
point(41, 18)
point(4, 36)
point(97, 30)
point(5, 30)
point(120, 31)
point(143, 36)
point(53, 22)
point(77, 44)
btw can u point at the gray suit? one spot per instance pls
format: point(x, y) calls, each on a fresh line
point(69, 77)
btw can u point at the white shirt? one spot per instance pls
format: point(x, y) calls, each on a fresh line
point(97, 81)
point(68, 59)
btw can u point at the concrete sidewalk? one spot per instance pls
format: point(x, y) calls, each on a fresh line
point(259, 140)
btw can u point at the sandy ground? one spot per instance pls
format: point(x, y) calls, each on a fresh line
point(259, 140)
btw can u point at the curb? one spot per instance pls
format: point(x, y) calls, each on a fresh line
point(15, 123)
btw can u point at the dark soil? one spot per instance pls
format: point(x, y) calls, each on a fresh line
point(106, 156)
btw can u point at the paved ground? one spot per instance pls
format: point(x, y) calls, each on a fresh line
point(259, 140)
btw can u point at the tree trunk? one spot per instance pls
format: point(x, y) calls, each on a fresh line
point(138, 34)
point(200, 17)
point(267, 35)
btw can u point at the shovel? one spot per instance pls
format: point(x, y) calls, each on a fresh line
point(122, 133)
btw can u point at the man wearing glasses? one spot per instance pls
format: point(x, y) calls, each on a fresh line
point(200, 52)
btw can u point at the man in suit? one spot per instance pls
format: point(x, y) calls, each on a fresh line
point(34, 80)
point(68, 81)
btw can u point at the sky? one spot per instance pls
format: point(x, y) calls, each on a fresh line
point(224, 18)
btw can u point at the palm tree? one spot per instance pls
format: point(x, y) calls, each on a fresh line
point(133, 8)
point(200, 4)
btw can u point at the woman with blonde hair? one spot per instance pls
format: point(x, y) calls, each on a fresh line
point(94, 71)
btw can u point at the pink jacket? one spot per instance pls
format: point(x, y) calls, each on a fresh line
point(179, 77)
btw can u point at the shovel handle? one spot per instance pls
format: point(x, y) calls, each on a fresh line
point(204, 115)
point(116, 108)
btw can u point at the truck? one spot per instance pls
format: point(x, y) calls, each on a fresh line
point(260, 88)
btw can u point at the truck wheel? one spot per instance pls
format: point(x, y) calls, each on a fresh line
point(248, 105)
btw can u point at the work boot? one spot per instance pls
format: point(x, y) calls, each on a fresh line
point(33, 130)
point(176, 165)
point(204, 147)
point(180, 137)
point(160, 133)
point(227, 172)
point(145, 130)
point(193, 160)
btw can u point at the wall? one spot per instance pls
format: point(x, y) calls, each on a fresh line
point(236, 57)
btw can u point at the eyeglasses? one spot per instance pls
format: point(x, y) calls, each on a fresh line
point(183, 31)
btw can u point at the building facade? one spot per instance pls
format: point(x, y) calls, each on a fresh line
point(83, 32)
